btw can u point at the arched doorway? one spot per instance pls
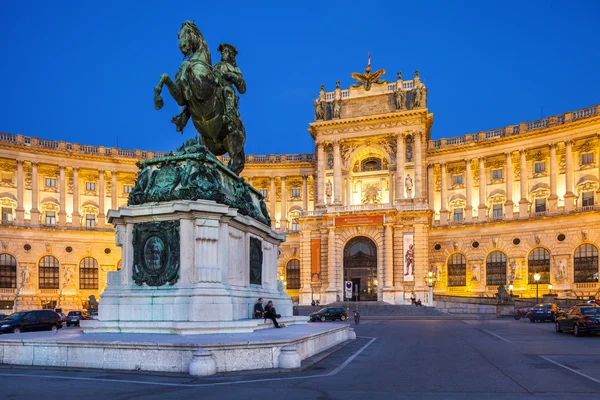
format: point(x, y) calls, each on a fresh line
point(360, 267)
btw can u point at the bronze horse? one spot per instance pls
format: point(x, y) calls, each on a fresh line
point(204, 91)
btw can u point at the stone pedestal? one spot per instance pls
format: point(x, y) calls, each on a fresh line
point(190, 267)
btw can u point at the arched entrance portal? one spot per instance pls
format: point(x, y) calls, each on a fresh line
point(360, 267)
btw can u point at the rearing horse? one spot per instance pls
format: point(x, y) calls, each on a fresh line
point(199, 90)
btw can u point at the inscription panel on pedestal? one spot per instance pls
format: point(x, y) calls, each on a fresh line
point(256, 261)
point(156, 253)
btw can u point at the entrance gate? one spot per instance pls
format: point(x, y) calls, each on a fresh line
point(360, 267)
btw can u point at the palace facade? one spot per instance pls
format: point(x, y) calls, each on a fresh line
point(380, 204)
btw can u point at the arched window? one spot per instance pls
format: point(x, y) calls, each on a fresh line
point(538, 262)
point(292, 273)
point(495, 269)
point(586, 263)
point(457, 270)
point(49, 273)
point(8, 271)
point(88, 273)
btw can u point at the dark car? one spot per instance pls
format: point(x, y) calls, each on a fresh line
point(331, 314)
point(75, 316)
point(544, 312)
point(24, 321)
point(580, 319)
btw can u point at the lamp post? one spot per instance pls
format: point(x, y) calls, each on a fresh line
point(549, 288)
point(536, 278)
point(430, 283)
point(511, 287)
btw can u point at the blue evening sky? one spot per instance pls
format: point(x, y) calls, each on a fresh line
point(84, 72)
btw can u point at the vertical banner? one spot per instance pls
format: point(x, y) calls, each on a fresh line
point(315, 256)
point(409, 257)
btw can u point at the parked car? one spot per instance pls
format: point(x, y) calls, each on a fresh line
point(580, 319)
point(24, 321)
point(2, 316)
point(544, 312)
point(331, 314)
point(75, 316)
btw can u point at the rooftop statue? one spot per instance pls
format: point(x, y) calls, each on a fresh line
point(367, 78)
point(207, 95)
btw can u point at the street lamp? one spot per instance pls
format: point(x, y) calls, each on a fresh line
point(430, 283)
point(511, 287)
point(536, 278)
point(549, 288)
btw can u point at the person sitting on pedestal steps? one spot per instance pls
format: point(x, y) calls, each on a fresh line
point(271, 314)
point(258, 309)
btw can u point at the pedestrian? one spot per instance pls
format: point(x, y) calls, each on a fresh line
point(258, 309)
point(271, 314)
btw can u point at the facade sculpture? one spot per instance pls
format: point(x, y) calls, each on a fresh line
point(337, 109)
point(319, 109)
point(408, 183)
point(419, 96)
point(399, 99)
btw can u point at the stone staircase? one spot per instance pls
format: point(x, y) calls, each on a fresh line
point(376, 309)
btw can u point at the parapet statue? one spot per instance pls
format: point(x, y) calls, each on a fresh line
point(207, 95)
point(319, 110)
point(399, 99)
point(419, 96)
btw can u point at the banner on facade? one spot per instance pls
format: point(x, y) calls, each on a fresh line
point(409, 257)
point(363, 220)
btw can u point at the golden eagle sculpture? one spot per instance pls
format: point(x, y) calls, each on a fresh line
point(367, 78)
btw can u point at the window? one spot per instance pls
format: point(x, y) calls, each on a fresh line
point(295, 192)
point(587, 199)
point(586, 264)
point(495, 269)
point(90, 220)
point(497, 210)
point(49, 272)
point(540, 205)
point(127, 188)
point(50, 218)
point(497, 174)
point(91, 186)
point(540, 167)
point(292, 274)
point(51, 182)
point(8, 271)
point(587, 158)
point(457, 270)
point(7, 177)
point(7, 214)
point(458, 214)
point(457, 180)
point(264, 193)
point(88, 273)
point(539, 262)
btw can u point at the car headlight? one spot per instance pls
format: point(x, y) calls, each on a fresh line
point(5, 326)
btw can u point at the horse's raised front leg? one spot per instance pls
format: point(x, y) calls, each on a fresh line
point(175, 91)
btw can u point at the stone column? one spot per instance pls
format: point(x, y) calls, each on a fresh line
point(569, 195)
point(273, 199)
point(305, 192)
point(430, 186)
point(305, 267)
point(283, 218)
point(320, 186)
point(113, 195)
point(391, 188)
point(331, 266)
point(418, 163)
point(348, 192)
point(35, 212)
point(101, 216)
point(400, 156)
point(20, 211)
point(553, 198)
point(62, 214)
point(523, 203)
point(509, 205)
point(444, 208)
point(482, 208)
point(76, 216)
point(337, 174)
point(469, 189)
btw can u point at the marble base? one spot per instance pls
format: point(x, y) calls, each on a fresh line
point(197, 354)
